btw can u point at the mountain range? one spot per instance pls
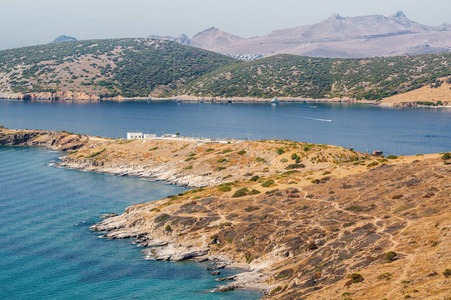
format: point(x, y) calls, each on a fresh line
point(337, 37)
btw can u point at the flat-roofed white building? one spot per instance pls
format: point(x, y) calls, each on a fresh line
point(150, 136)
point(134, 135)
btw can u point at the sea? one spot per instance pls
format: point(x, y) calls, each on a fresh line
point(46, 248)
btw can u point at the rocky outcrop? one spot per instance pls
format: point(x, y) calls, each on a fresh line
point(62, 141)
point(49, 96)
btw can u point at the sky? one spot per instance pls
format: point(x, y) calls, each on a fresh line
point(32, 22)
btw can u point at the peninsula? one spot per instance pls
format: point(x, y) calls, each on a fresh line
point(307, 221)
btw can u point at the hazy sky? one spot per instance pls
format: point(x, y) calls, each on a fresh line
point(31, 22)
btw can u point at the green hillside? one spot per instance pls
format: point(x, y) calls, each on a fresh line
point(141, 67)
point(294, 76)
point(127, 67)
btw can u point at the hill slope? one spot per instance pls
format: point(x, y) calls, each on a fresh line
point(294, 76)
point(141, 67)
point(127, 67)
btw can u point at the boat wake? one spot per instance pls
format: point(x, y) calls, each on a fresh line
point(309, 118)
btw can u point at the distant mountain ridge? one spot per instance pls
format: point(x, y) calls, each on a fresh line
point(337, 37)
point(63, 39)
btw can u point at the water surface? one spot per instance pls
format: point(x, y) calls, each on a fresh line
point(361, 126)
point(48, 252)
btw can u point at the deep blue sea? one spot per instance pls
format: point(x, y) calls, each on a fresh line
point(362, 126)
point(46, 248)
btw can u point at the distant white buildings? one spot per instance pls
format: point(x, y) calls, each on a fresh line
point(246, 57)
point(134, 135)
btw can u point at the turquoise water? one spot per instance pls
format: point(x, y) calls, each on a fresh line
point(48, 252)
point(364, 127)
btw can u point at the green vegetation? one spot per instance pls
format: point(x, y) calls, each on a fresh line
point(447, 273)
point(390, 256)
point(240, 193)
point(134, 67)
point(153, 149)
point(290, 75)
point(96, 153)
point(224, 188)
point(242, 152)
point(268, 183)
point(280, 151)
point(356, 277)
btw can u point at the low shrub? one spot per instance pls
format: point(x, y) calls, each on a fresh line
point(254, 178)
point(356, 277)
point(280, 151)
point(294, 166)
point(390, 256)
point(447, 273)
point(240, 193)
point(268, 183)
point(224, 188)
point(242, 152)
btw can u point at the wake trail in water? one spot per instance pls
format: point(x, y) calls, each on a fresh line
point(308, 118)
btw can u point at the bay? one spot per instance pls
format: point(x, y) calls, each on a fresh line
point(363, 127)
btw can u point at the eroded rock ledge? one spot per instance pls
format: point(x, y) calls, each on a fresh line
point(302, 218)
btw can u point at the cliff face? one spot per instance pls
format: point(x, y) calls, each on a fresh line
point(61, 141)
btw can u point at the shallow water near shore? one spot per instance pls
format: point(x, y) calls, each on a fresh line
point(364, 127)
point(48, 252)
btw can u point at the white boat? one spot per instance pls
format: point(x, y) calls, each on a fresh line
point(275, 100)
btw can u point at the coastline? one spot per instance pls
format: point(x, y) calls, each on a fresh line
point(83, 97)
point(291, 226)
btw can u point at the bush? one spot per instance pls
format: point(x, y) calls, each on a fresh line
point(294, 166)
point(259, 159)
point(447, 273)
point(154, 148)
point(254, 178)
point(280, 151)
point(168, 228)
point(242, 152)
point(268, 183)
point(390, 256)
point(209, 150)
point(374, 163)
point(221, 168)
point(188, 167)
point(312, 246)
point(224, 188)
point(255, 192)
point(356, 277)
point(283, 160)
point(221, 160)
point(446, 156)
point(240, 193)
point(392, 157)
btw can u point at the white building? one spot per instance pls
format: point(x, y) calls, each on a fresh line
point(150, 136)
point(134, 135)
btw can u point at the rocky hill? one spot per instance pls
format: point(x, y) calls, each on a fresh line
point(337, 37)
point(103, 68)
point(63, 39)
point(308, 221)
